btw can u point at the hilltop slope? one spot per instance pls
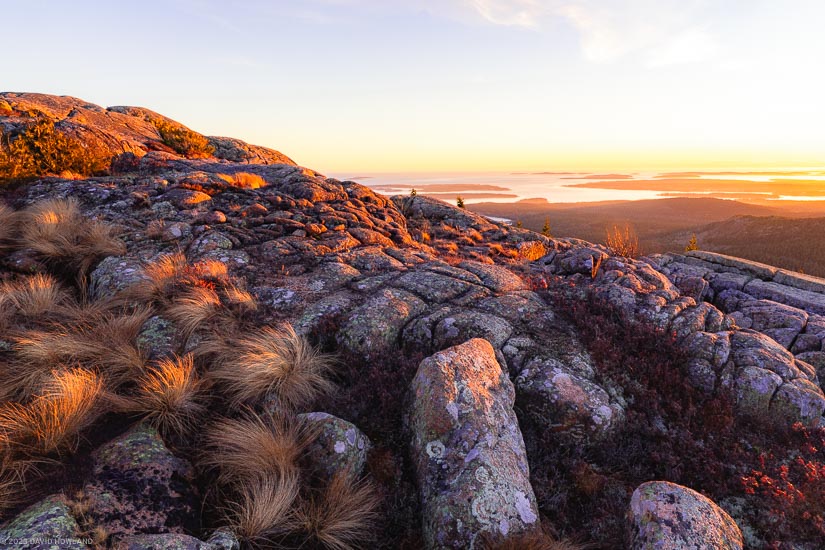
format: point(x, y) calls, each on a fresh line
point(492, 386)
point(116, 130)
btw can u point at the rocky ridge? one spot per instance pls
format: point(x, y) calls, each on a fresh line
point(372, 277)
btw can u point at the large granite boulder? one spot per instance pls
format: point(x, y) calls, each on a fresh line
point(666, 516)
point(559, 399)
point(140, 487)
point(467, 449)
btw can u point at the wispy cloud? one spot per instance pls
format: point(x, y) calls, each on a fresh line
point(663, 32)
point(667, 31)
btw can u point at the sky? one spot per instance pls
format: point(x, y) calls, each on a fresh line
point(450, 85)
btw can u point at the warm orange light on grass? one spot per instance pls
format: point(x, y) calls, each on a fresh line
point(169, 396)
point(52, 422)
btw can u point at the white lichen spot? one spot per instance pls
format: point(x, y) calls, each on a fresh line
point(340, 447)
point(435, 449)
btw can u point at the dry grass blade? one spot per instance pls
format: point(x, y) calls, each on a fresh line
point(201, 307)
point(170, 275)
point(169, 396)
point(240, 301)
point(264, 508)
point(240, 449)
point(276, 363)
point(52, 422)
point(11, 490)
point(211, 271)
point(342, 517)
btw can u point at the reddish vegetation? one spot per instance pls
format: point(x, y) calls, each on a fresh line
point(772, 481)
point(382, 385)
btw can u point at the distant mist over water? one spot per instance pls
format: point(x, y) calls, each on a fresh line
point(568, 187)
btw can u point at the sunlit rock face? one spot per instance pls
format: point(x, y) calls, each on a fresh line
point(482, 311)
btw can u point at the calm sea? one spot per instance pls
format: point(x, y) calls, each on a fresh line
point(557, 186)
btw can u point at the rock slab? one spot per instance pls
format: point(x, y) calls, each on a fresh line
point(468, 450)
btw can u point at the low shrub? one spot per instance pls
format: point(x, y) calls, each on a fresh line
point(183, 140)
point(623, 241)
point(40, 149)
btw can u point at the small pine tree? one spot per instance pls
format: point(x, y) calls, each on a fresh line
point(692, 245)
point(413, 192)
point(459, 201)
point(518, 224)
point(545, 229)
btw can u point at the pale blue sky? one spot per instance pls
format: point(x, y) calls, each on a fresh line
point(381, 85)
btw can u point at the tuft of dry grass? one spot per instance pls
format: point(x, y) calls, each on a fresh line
point(202, 306)
point(171, 275)
point(241, 449)
point(169, 395)
point(11, 489)
point(274, 363)
point(8, 226)
point(244, 180)
point(194, 309)
point(57, 231)
point(52, 422)
point(623, 241)
point(105, 342)
point(263, 511)
point(33, 297)
point(342, 516)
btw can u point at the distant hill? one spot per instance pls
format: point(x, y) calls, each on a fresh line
point(653, 220)
point(795, 244)
point(769, 234)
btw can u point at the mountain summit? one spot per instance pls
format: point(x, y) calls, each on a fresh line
point(205, 345)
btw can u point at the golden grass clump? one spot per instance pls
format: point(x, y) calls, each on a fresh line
point(170, 276)
point(33, 297)
point(194, 309)
point(244, 180)
point(169, 395)
point(241, 449)
point(202, 306)
point(52, 422)
point(341, 517)
point(264, 508)
point(57, 231)
point(105, 342)
point(8, 226)
point(275, 363)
